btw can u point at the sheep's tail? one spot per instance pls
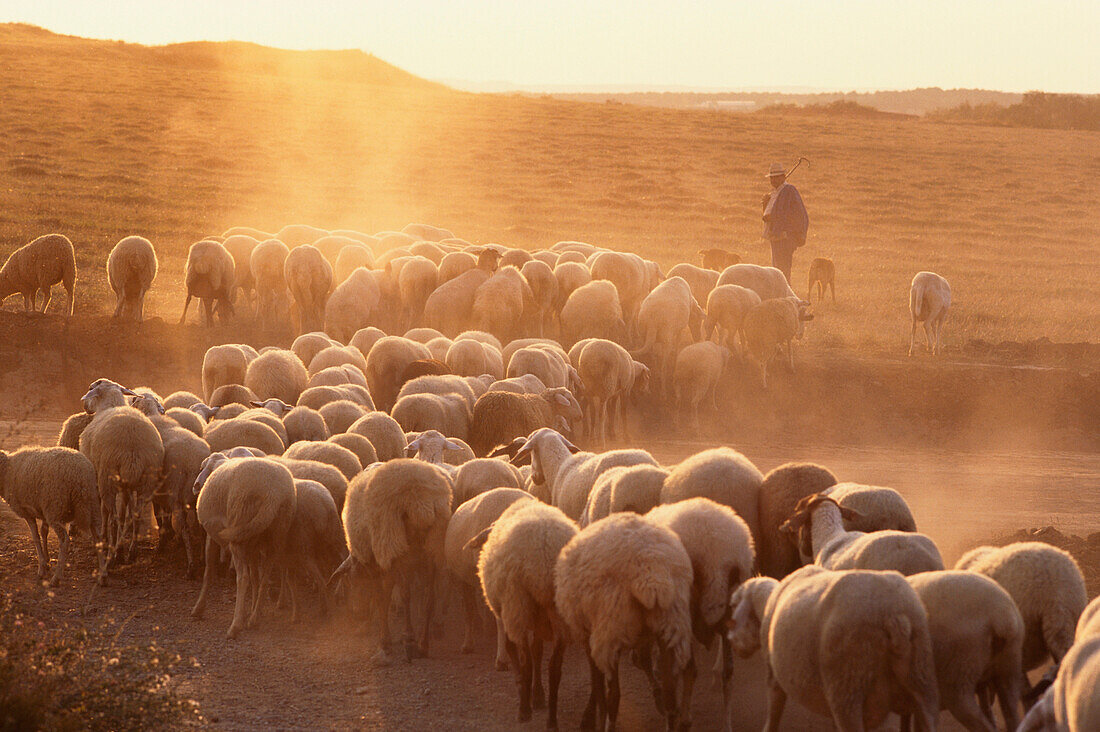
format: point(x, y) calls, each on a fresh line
point(248, 517)
point(1059, 625)
point(131, 469)
point(68, 279)
point(389, 536)
point(655, 587)
point(650, 341)
point(913, 670)
point(916, 299)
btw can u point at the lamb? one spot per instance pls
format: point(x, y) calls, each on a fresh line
point(723, 475)
point(767, 282)
point(609, 375)
point(340, 415)
point(247, 506)
point(447, 413)
point(701, 280)
point(727, 307)
point(718, 259)
point(780, 492)
point(500, 302)
point(309, 278)
point(544, 290)
point(40, 265)
point(387, 359)
point(720, 547)
point(1048, 588)
point(303, 423)
point(619, 584)
point(52, 488)
point(416, 281)
point(240, 247)
point(817, 527)
point(852, 645)
point(929, 301)
point(879, 508)
point(224, 434)
point(131, 268)
point(327, 452)
point(224, 364)
point(384, 433)
point(769, 325)
point(183, 399)
point(395, 518)
point(359, 445)
point(500, 416)
point(277, 374)
point(211, 277)
point(482, 474)
point(698, 369)
point(127, 453)
point(516, 570)
point(353, 304)
point(662, 317)
point(266, 263)
point(592, 311)
point(977, 637)
point(822, 274)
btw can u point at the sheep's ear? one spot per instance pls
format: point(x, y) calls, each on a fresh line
point(479, 541)
point(255, 402)
point(453, 445)
point(521, 454)
point(570, 446)
point(794, 523)
point(561, 399)
point(88, 395)
point(850, 514)
point(805, 316)
point(214, 411)
point(412, 448)
point(129, 392)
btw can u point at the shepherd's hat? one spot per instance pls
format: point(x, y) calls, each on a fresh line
point(776, 169)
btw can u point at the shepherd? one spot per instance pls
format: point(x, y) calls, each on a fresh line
point(785, 219)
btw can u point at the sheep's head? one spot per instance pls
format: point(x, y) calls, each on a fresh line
point(277, 406)
point(508, 449)
point(537, 442)
point(209, 465)
point(746, 608)
point(563, 403)
point(429, 447)
point(104, 393)
point(641, 378)
point(804, 314)
point(488, 259)
point(799, 527)
point(147, 404)
point(205, 411)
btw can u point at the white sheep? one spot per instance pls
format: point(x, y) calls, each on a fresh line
point(309, 278)
point(620, 584)
point(341, 414)
point(222, 365)
point(384, 433)
point(353, 304)
point(448, 309)
point(724, 476)
point(817, 527)
point(633, 277)
point(326, 452)
point(328, 476)
point(230, 394)
point(697, 371)
point(429, 250)
point(430, 446)
point(782, 489)
point(467, 357)
point(544, 290)
point(304, 423)
point(210, 275)
point(702, 281)
point(388, 358)
point(526, 384)
point(52, 488)
point(246, 231)
point(316, 397)
point(727, 307)
point(851, 645)
point(427, 232)
point(131, 268)
point(240, 247)
point(662, 318)
point(266, 264)
point(770, 325)
point(593, 311)
point(929, 301)
point(516, 570)
point(187, 419)
point(296, 235)
point(40, 265)
point(501, 302)
point(767, 282)
point(332, 245)
point(277, 374)
point(359, 445)
point(338, 376)
point(455, 263)
point(308, 345)
point(446, 413)
point(879, 508)
point(481, 474)
point(314, 542)
point(416, 281)
point(337, 355)
point(549, 363)
point(228, 433)
point(246, 505)
point(570, 276)
point(609, 375)
point(349, 259)
point(720, 547)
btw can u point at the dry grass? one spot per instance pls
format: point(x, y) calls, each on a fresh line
point(100, 140)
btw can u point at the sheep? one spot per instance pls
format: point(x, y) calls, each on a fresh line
point(224, 434)
point(526, 384)
point(442, 384)
point(337, 355)
point(516, 572)
point(510, 350)
point(718, 259)
point(481, 474)
point(266, 416)
point(727, 307)
point(422, 335)
point(331, 245)
point(308, 345)
point(500, 302)
point(438, 347)
point(780, 492)
point(387, 359)
point(296, 235)
point(416, 281)
point(429, 250)
point(131, 269)
point(609, 375)
point(767, 282)
point(720, 547)
point(324, 451)
point(231, 394)
point(127, 453)
point(338, 376)
point(581, 247)
point(395, 517)
point(72, 428)
point(573, 257)
point(246, 231)
point(187, 419)
point(266, 262)
point(447, 413)
point(240, 247)
point(460, 552)
point(359, 445)
point(316, 397)
point(929, 301)
point(619, 584)
point(52, 488)
point(1048, 588)
point(453, 264)
point(549, 363)
point(662, 317)
point(353, 304)
point(351, 258)
point(304, 423)
point(384, 433)
point(698, 369)
point(183, 399)
point(852, 645)
point(701, 280)
point(448, 309)
point(500, 416)
point(593, 311)
point(635, 489)
point(633, 277)
point(277, 374)
point(424, 367)
point(818, 530)
point(822, 274)
point(309, 278)
point(977, 638)
point(327, 475)
point(221, 365)
point(468, 357)
point(211, 277)
point(569, 276)
point(723, 475)
point(431, 446)
point(768, 326)
point(544, 290)
point(246, 505)
point(340, 415)
point(314, 541)
point(40, 265)
point(515, 258)
point(879, 508)
point(427, 232)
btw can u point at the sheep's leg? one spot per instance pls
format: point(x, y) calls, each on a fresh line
point(1007, 686)
point(502, 643)
point(847, 710)
point(939, 330)
point(119, 301)
point(669, 687)
point(382, 605)
point(538, 696)
point(777, 699)
point(240, 606)
point(689, 674)
point(43, 558)
point(521, 662)
point(832, 288)
point(47, 295)
point(912, 335)
point(620, 410)
point(186, 304)
point(643, 659)
point(180, 519)
point(964, 707)
point(429, 609)
point(725, 653)
point(28, 301)
point(554, 681)
point(263, 569)
point(208, 309)
point(207, 577)
point(62, 552)
point(469, 604)
point(613, 695)
point(592, 719)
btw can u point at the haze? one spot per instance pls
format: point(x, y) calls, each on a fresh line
point(1012, 45)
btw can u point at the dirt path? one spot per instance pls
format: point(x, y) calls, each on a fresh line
point(315, 675)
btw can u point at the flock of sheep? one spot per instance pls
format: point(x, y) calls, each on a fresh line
point(441, 464)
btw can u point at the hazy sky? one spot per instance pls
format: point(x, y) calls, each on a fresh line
point(1013, 45)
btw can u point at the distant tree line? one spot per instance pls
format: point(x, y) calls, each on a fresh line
point(1036, 109)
